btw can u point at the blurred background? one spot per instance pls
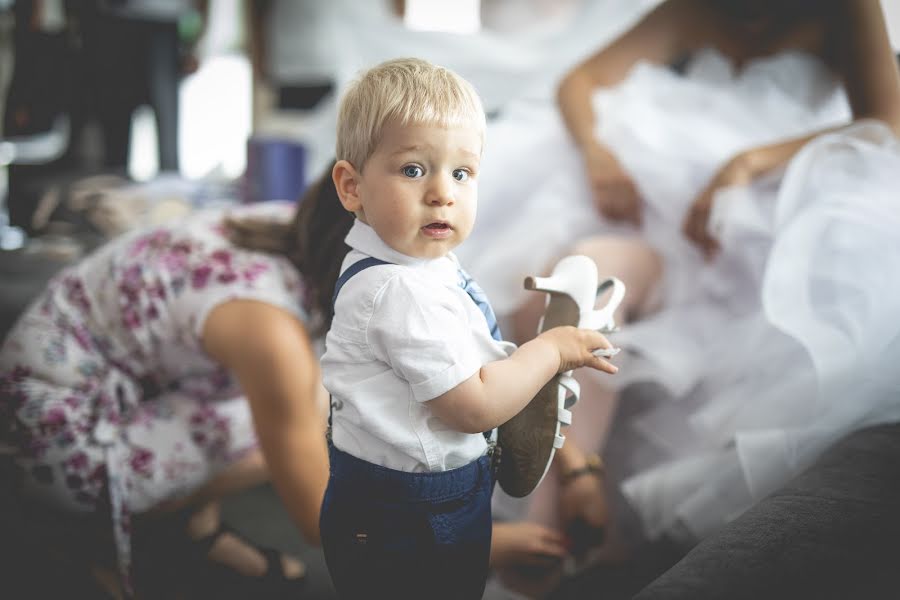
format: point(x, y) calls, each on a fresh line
point(201, 95)
point(235, 100)
point(121, 113)
point(118, 113)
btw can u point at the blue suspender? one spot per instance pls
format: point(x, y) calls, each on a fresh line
point(352, 270)
point(471, 287)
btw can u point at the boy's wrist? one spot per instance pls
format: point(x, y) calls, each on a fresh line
point(545, 352)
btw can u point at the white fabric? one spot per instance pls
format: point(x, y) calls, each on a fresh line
point(403, 334)
point(670, 132)
point(780, 345)
point(311, 41)
point(811, 361)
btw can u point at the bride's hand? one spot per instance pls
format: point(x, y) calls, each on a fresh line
point(615, 194)
point(696, 222)
point(582, 506)
point(524, 544)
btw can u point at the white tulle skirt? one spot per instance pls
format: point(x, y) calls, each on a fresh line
point(778, 347)
point(808, 359)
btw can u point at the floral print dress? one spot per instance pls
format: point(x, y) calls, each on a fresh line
point(106, 394)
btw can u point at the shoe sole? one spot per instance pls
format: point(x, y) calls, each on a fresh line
point(526, 440)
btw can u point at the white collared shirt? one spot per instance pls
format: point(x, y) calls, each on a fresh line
point(403, 334)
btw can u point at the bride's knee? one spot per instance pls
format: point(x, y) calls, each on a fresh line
point(635, 262)
point(628, 258)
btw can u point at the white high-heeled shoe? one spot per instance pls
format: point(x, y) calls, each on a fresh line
point(529, 440)
point(573, 292)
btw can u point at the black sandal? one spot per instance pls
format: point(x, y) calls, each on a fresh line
point(167, 560)
point(213, 579)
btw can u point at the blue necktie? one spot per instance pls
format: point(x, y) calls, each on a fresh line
point(478, 296)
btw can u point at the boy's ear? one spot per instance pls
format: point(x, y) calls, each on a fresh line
point(346, 182)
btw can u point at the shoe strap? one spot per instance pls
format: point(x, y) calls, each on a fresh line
point(569, 390)
point(200, 547)
point(274, 565)
point(602, 319)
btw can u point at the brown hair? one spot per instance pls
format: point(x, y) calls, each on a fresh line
point(313, 240)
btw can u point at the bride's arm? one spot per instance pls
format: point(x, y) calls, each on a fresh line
point(868, 65)
point(871, 78)
point(661, 37)
point(665, 34)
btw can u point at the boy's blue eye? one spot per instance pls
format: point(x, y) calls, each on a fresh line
point(412, 171)
point(460, 175)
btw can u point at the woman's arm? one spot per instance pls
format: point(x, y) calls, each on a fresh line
point(270, 354)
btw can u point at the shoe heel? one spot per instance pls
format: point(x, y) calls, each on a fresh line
point(574, 276)
point(550, 285)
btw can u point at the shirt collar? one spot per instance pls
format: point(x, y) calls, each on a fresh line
point(363, 238)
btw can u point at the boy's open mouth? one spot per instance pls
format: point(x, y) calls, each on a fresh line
point(438, 230)
point(437, 226)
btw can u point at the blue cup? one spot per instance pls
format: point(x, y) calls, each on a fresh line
point(276, 170)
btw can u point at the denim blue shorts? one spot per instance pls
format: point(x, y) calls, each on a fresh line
point(393, 534)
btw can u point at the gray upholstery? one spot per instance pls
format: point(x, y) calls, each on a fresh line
point(833, 532)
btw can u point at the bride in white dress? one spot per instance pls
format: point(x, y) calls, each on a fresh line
point(750, 204)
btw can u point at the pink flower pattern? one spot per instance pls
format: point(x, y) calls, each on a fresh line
point(74, 371)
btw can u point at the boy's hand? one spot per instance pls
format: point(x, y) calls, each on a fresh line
point(576, 347)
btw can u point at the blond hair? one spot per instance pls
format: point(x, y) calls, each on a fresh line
point(403, 90)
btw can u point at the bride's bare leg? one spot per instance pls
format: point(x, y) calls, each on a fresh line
point(630, 259)
point(634, 262)
point(593, 417)
point(640, 268)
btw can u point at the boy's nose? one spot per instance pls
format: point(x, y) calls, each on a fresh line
point(440, 192)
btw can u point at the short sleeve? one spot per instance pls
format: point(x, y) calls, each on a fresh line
point(237, 274)
point(423, 333)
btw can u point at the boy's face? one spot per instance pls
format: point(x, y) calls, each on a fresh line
point(418, 190)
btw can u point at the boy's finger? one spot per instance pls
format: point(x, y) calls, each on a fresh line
point(603, 365)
